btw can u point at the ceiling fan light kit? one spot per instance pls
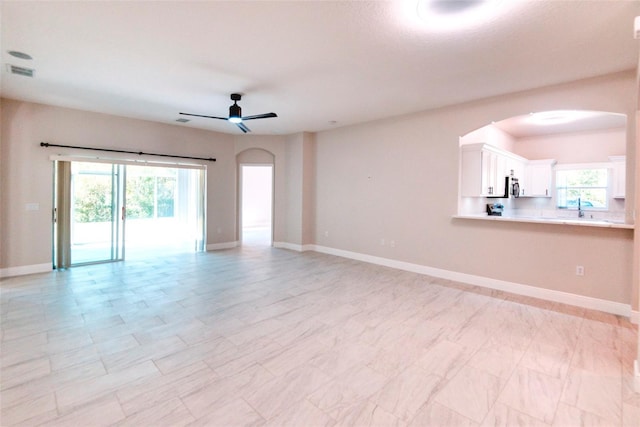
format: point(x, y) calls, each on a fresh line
point(235, 114)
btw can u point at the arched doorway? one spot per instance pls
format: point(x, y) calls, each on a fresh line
point(255, 197)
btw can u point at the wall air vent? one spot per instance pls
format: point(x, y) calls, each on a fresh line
point(182, 120)
point(20, 71)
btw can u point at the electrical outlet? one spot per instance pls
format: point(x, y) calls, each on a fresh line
point(381, 242)
point(579, 270)
point(326, 234)
point(392, 243)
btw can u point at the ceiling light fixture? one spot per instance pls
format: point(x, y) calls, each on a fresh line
point(446, 7)
point(451, 15)
point(235, 113)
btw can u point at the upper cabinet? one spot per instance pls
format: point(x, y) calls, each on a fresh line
point(618, 177)
point(538, 178)
point(484, 169)
point(474, 168)
point(492, 162)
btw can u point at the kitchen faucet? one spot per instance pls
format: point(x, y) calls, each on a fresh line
point(580, 211)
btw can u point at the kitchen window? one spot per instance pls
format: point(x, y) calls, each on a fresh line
point(582, 187)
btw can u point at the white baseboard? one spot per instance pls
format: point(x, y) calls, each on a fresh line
point(287, 245)
point(515, 288)
point(25, 269)
point(224, 245)
point(293, 246)
point(486, 282)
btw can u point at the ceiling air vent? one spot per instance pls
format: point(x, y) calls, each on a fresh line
point(182, 120)
point(20, 71)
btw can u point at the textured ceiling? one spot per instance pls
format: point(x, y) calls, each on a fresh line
point(310, 62)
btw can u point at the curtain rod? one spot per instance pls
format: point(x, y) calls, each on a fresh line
point(46, 144)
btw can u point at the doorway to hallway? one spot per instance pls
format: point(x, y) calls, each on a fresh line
point(256, 205)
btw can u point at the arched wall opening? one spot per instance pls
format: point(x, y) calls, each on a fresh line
point(255, 197)
point(532, 148)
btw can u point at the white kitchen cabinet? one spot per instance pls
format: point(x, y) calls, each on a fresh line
point(618, 176)
point(538, 179)
point(473, 171)
point(491, 162)
point(484, 168)
point(517, 165)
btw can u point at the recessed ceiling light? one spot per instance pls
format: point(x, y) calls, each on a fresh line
point(21, 55)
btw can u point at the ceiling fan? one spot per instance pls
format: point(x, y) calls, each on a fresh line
point(235, 114)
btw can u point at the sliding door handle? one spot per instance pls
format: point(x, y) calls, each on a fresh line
point(123, 213)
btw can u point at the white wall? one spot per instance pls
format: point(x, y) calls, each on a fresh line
point(577, 147)
point(27, 172)
point(294, 153)
point(273, 146)
point(490, 134)
point(308, 188)
point(294, 162)
point(300, 188)
point(393, 179)
point(397, 179)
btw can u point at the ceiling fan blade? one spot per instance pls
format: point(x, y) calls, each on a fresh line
point(260, 116)
point(208, 117)
point(243, 128)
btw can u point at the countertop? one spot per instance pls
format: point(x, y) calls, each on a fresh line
point(560, 221)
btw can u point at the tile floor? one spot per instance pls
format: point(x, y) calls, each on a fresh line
point(272, 337)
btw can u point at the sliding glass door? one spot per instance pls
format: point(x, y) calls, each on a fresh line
point(162, 207)
point(165, 209)
point(97, 212)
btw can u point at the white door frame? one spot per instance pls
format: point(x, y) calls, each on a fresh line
point(241, 191)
